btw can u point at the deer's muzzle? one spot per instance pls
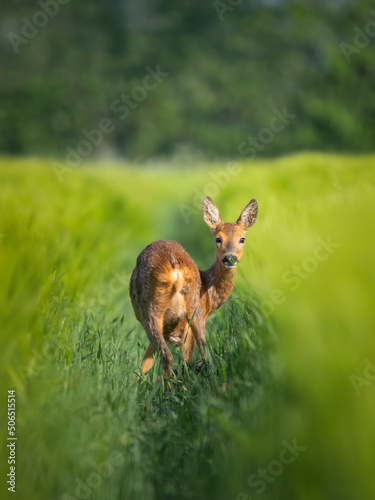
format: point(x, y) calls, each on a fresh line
point(230, 261)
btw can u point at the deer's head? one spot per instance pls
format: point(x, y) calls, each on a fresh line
point(230, 236)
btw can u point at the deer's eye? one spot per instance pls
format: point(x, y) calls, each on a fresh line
point(218, 240)
point(242, 240)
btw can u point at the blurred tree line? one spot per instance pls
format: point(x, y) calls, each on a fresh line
point(230, 63)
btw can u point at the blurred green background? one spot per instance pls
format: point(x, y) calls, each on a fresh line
point(116, 119)
point(229, 64)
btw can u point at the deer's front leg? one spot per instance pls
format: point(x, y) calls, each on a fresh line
point(195, 334)
point(199, 332)
point(187, 347)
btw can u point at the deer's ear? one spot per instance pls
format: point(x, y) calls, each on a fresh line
point(211, 213)
point(249, 214)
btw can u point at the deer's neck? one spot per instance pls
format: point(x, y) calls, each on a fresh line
point(217, 284)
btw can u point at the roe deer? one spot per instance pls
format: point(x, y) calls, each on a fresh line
point(168, 291)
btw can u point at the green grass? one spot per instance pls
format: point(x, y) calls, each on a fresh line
point(282, 351)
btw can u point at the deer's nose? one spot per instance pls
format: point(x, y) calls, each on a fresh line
point(230, 261)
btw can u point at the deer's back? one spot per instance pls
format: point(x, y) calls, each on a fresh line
point(164, 270)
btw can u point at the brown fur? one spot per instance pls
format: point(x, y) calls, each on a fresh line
point(167, 289)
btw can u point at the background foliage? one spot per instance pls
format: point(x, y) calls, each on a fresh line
point(227, 73)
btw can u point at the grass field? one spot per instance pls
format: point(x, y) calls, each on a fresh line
point(285, 409)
